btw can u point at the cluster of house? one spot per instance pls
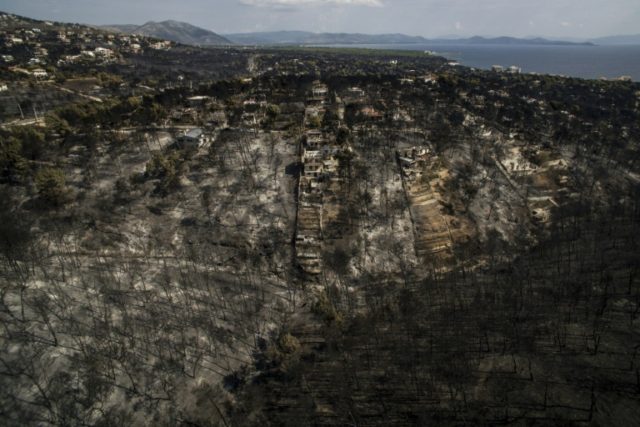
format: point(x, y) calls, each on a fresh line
point(114, 42)
point(27, 47)
point(99, 54)
point(200, 109)
point(319, 165)
point(38, 73)
point(161, 45)
point(318, 153)
point(512, 69)
point(318, 158)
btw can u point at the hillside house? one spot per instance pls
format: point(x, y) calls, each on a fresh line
point(371, 113)
point(319, 90)
point(103, 52)
point(356, 91)
point(314, 138)
point(39, 73)
point(162, 45)
point(313, 163)
point(329, 165)
point(196, 101)
point(193, 138)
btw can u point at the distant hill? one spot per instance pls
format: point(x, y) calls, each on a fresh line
point(307, 38)
point(120, 28)
point(618, 40)
point(176, 31)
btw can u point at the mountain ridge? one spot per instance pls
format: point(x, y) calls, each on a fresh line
point(180, 32)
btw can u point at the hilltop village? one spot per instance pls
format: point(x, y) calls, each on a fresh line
point(309, 236)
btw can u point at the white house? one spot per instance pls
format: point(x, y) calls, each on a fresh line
point(103, 52)
point(319, 90)
point(191, 139)
point(39, 73)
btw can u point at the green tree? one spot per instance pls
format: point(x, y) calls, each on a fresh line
point(12, 163)
point(58, 124)
point(273, 111)
point(314, 122)
point(165, 168)
point(32, 141)
point(51, 185)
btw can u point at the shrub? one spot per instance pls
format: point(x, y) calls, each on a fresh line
point(324, 308)
point(284, 354)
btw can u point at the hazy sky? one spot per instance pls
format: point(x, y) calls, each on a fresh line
point(557, 18)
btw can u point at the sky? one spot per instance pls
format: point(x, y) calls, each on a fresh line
point(429, 18)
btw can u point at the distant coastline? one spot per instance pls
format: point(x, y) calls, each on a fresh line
point(594, 62)
point(309, 38)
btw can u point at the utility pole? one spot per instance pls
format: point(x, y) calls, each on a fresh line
point(20, 108)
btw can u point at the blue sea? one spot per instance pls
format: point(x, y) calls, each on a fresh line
point(590, 62)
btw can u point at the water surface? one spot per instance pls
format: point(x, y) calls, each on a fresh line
point(589, 62)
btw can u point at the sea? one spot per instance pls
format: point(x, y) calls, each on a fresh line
point(589, 62)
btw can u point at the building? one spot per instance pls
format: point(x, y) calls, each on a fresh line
point(196, 101)
point(39, 73)
point(313, 163)
point(314, 138)
point(370, 112)
point(319, 90)
point(162, 45)
point(356, 91)
point(192, 138)
point(3, 87)
point(103, 52)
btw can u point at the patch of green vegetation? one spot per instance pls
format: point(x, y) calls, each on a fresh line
point(166, 168)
